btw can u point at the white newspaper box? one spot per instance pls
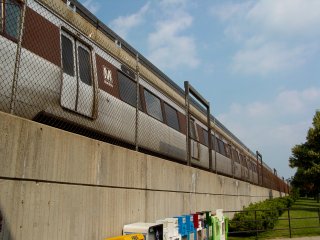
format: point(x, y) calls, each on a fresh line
point(170, 228)
point(150, 231)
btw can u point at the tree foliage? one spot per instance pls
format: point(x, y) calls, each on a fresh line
point(306, 158)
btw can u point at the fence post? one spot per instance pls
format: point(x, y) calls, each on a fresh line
point(17, 63)
point(209, 136)
point(214, 145)
point(137, 104)
point(186, 89)
point(255, 220)
point(319, 215)
point(289, 221)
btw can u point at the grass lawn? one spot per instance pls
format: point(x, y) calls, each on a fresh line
point(307, 204)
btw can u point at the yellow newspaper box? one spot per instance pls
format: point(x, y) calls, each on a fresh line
point(128, 237)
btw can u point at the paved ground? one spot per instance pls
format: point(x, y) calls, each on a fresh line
point(300, 238)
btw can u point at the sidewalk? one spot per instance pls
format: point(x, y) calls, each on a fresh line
point(299, 238)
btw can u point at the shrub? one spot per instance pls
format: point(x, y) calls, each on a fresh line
point(266, 213)
point(295, 193)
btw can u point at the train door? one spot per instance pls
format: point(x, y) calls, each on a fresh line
point(194, 143)
point(77, 91)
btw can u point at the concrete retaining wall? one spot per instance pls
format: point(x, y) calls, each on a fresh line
point(58, 185)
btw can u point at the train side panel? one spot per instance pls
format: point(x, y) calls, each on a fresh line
point(158, 137)
point(200, 155)
point(224, 164)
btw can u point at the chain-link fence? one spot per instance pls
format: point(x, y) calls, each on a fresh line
point(48, 75)
point(60, 66)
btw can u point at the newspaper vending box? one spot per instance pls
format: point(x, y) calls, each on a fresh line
point(150, 231)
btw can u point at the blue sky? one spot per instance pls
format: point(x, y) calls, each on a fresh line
point(256, 62)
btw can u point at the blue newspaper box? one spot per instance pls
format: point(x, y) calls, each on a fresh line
point(191, 231)
point(182, 226)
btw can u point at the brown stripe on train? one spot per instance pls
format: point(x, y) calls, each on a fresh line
point(41, 37)
point(104, 81)
point(182, 123)
point(200, 134)
point(142, 99)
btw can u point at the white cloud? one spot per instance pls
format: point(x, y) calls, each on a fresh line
point(169, 47)
point(173, 3)
point(230, 10)
point(273, 127)
point(269, 57)
point(295, 102)
point(273, 36)
point(168, 44)
point(311, 94)
point(170, 28)
point(289, 134)
point(292, 100)
point(92, 6)
point(258, 109)
point(293, 17)
point(123, 24)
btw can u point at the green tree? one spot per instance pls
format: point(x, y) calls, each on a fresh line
point(306, 158)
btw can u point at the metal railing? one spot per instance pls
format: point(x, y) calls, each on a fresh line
point(259, 224)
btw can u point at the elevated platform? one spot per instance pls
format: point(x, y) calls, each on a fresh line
point(59, 185)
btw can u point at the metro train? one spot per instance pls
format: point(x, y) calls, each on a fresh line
point(58, 61)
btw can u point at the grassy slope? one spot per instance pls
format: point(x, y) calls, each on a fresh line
point(301, 203)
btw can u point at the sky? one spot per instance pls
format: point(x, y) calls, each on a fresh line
point(256, 62)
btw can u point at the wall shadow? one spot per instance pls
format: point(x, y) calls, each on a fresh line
point(5, 233)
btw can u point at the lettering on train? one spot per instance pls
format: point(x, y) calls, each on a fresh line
point(107, 76)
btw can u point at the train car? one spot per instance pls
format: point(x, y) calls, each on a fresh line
point(62, 66)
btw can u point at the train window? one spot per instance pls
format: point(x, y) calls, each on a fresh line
point(244, 161)
point(128, 89)
point(192, 129)
point(205, 137)
point(10, 18)
point(228, 150)
point(67, 55)
point(214, 143)
point(238, 159)
point(221, 147)
point(172, 117)
point(241, 159)
point(84, 66)
point(235, 156)
point(217, 145)
point(153, 105)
